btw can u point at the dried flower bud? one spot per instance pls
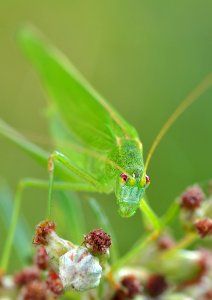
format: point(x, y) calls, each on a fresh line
point(41, 258)
point(203, 265)
point(204, 227)
point(156, 285)
point(165, 242)
point(26, 275)
point(192, 198)
point(207, 295)
point(54, 284)
point(42, 231)
point(35, 290)
point(79, 270)
point(130, 287)
point(97, 241)
point(54, 245)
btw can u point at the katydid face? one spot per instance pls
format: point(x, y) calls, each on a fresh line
point(129, 192)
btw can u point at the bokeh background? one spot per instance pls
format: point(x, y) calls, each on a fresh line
point(142, 55)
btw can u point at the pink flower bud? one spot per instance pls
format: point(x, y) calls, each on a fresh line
point(35, 290)
point(98, 241)
point(54, 284)
point(54, 245)
point(41, 258)
point(156, 285)
point(26, 275)
point(129, 288)
point(192, 198)
point(204, 227)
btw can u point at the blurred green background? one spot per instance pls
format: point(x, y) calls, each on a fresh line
point(144, 56)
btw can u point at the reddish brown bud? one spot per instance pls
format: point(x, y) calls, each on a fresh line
point(42, 231)
point(192, 198)
point(165, 242)
point(41, 258)
point(207, 295)
point(26, 275)
point(97, 241)
point(130, 287)
point(35, 290)
point(156, 285)
point(54, 284)
point(203, 265)
point(204, 227)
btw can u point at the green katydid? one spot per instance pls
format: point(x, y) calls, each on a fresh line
point(104, 152)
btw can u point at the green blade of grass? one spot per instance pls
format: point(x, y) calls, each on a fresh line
point(38, 154)
point(70, 215)
point(104, 223)
point(23, 236)
point(34, 151)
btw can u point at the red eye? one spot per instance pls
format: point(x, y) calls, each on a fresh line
point(147, 179)
point(124, 177)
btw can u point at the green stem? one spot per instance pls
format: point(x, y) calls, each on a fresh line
point(158, 225)
point(171, 213)
point(49, 205)
point(150, 214)
point(135, 250)
point(9, 241)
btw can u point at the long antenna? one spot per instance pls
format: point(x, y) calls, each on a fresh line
point(191, 98)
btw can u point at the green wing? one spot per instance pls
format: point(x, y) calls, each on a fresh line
point(90, 118)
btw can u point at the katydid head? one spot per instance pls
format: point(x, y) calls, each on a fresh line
point(129, 192)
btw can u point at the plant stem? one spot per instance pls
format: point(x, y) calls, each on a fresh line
point(158, 225)
point(49, 205)
point(9, 241)
point(135, 250)
point(150, 214)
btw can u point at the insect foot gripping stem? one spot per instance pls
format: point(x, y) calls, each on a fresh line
point(79, 268)
point(51, 163)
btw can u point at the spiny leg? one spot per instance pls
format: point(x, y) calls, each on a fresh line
point(69, 165)
point(35, 183)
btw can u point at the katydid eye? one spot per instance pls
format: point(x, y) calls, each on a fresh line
point(147, 179)
point(124, 177)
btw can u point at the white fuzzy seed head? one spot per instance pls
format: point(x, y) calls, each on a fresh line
point(79, 270)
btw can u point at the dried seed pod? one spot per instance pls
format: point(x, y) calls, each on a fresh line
point(43, 230)
point(26, 275)
point(130, 287)
point(204, 227)
point(156, 285)
point(54, 284)
point(79, 270)
point(165, 242)
point(54, 245)
point(41, 258)
point(98, 241)
point(35, 290)
point(207, 295)
point(192, 198)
